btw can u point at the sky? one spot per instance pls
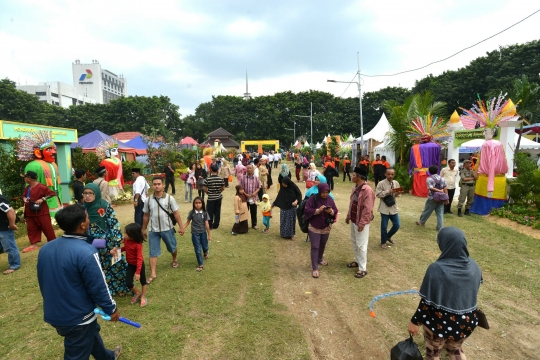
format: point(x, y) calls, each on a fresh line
point(193, 50)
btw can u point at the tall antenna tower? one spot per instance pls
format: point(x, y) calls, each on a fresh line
point(247, 95)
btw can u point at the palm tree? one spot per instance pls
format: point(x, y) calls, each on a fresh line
point(528, 95)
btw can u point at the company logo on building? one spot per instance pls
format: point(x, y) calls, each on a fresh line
point(88, 75)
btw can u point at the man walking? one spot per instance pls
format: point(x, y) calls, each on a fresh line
point(7, 237)
point(468, 181)
point(140, 193)
point(434, 183)
point(359, 216)
point(169, 177)
point(102, 183)
point(158, 210)
point(449, 174)
point(213, 187)
point(387, 191)
point(251, 185)
point(36, 211)
point(78, 185)
point(72, 284)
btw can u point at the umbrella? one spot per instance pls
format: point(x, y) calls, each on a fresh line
point(188, 141)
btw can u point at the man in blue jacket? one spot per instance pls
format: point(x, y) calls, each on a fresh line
point(72, 285)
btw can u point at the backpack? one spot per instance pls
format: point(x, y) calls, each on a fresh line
point(302, 222)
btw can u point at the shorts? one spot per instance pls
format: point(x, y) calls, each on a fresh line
point(154, 244)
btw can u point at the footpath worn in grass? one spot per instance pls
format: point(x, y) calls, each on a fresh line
point(256, 299)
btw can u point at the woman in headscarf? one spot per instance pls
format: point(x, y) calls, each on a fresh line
point(284, 172)
point(298, 165)
point(200, 175)
point(320, 211)
point(315, 189)
point(287, 199)
point(448, 304)
point(240, 170)
point(241, 211)
point(313, 172)
point(104, 225)
point(225, 171)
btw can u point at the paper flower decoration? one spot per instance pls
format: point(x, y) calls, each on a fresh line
point(489, 114)
point(428, 128)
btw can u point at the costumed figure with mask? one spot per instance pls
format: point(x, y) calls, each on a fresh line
point(428, 131)
point(107, 151)
point(490, 190)
point(39, 149)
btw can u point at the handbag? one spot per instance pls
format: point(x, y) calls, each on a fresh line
point(406, 350)
point(184, 176)
point(389, 199)
point(309, 183)
point(440, 197)
point(482, 319)
point(34, 206)
point(170, 214)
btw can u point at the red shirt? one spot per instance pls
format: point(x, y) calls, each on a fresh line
point(134, 254)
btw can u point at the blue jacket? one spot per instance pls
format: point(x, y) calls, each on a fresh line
point(72, 282)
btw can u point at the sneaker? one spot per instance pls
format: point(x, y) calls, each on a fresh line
point(233, 233)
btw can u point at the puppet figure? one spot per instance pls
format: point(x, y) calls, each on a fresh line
point(107, 150)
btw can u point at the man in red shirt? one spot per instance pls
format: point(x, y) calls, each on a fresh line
point(359, 216)
point(37, 220)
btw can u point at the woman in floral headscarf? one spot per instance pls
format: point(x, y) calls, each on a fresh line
point(104, 225)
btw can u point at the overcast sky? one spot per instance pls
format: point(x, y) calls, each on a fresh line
point(191, 50)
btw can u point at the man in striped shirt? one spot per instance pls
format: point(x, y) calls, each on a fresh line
point(213, 187)
point(251, 185)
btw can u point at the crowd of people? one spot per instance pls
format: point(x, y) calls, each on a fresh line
point(118, 255)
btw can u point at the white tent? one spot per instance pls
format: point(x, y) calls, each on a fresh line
point(525, 144)
point(318, 145)
point(377, 135)
point(385, 151)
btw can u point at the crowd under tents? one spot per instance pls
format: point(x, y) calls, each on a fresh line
point(90, 142)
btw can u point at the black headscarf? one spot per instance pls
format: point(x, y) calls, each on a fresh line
point(287, 195)
point(452, 282)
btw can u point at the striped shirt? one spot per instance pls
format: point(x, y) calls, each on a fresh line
point(214, 184)
point(159, 220)
point(250, 184)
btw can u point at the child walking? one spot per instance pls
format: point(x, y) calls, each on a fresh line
point(266, 209)
point(198, 217)
point(133, 239)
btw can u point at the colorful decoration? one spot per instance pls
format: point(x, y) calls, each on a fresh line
point(107, 151)
point(390, 294)
point(490, 114)
point(428, 128)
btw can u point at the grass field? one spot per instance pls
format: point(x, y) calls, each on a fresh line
point(256, 299)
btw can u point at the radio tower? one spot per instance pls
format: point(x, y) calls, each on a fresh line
point(247, 95)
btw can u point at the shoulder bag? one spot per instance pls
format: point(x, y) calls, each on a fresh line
point(389, 199)
point(439, 197)
point(170, 214)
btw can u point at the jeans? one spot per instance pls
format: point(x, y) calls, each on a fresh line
point(81, 341)
point(189, 190)
point(139, 213)
point(384, 226)
point(439, 211)
point(200, 245)
point(213, 207)
point(8, 245)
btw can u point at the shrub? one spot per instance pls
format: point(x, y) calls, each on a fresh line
point(11, 182)
point(525, 189)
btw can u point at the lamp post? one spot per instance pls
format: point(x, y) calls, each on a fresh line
point(360, 100)
point(310, 119)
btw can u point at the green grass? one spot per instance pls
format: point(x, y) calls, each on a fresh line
point(255, 297)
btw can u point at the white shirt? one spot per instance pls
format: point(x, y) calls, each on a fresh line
point(277, 157)
point(140, 186)
point(270, 157)
point(256, 172)
point(450, 177)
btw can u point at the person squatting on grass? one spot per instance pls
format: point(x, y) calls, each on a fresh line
point(156, 213)
point(200, 230)
point(133, 240)
point(360, 215)
point(387, 191)
point(448, 298)
point(266, 209)
point(321, 212)
point(70, 265)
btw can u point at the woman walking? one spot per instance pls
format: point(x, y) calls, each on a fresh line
point(284, 173)
point(104, 225)
point(241, 212)
point(298, 166)
point(240, 170)
point(200, 175)
point(313, 172)
point(448, 305)
point(189, 184)
point(225, 172)
point(321, 212)
point(288, 198)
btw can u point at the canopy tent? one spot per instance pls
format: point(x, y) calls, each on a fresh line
point(90, 141)
point(376, 136)
point(386, 151)
point(188, 140)
point(318, 145)
point(140, 146)
point(524, 144)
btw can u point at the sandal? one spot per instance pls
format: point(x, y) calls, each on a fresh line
point(384, 246)
point(391, 241)
point(175, 264)
point(205, 255)
point(150, 279)
point(9, 271)
point(360, 274)
point(419, 223)
point(352, 264)
point(200, 268)
point(30, 248)
point(117, 351)
point(315, 274)
point(323, 263)
point(135, 298)
point(144, 301)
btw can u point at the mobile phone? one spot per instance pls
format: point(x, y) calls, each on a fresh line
point(328, 207)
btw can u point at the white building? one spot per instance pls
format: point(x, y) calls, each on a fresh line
point(102, 85)
point(57, 93)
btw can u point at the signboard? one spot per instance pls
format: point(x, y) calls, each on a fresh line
point(9, 130)
point(461, 136)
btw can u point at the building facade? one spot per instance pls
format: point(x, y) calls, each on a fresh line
point(57, 93)
point(97, 83)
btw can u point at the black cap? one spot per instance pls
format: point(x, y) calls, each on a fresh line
point(361, 172)
point(100, 170)
point(31, 175)
point(214, 168)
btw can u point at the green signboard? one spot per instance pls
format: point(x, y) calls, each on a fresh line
point(9, 130)
point(461, 136)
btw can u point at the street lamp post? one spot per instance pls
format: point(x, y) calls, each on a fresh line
point(360, 100)
point(310, 119)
